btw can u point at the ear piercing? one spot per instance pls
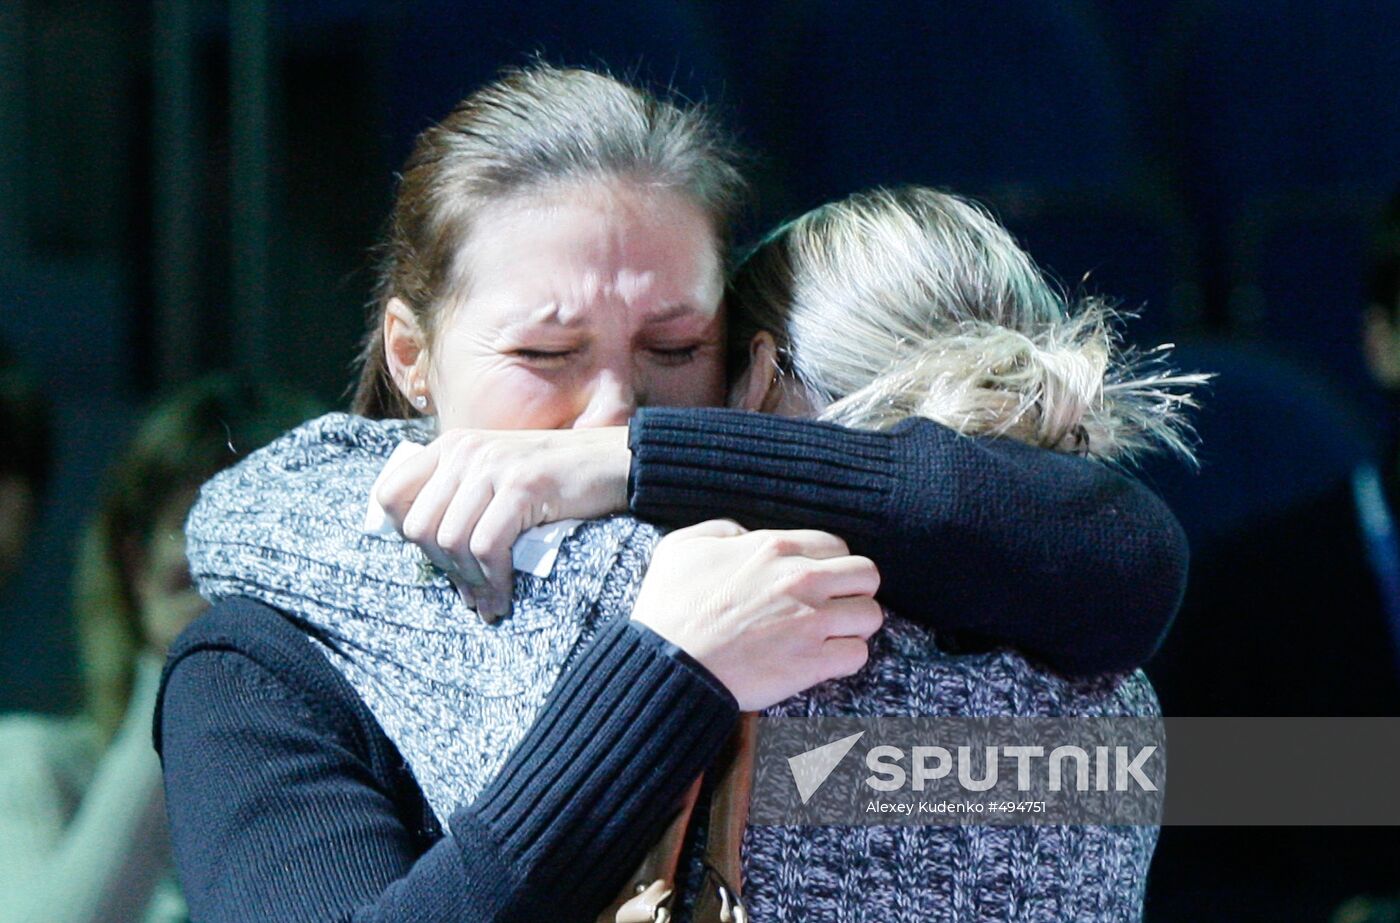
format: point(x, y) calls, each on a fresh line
point(420, 401)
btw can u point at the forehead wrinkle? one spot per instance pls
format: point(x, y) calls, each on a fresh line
point(548, 315)
point(612, 282)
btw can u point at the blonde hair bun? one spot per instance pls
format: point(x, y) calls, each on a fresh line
point(914, 302)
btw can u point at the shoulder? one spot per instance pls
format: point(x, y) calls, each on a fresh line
point(242, 652)
point(335, 433)
point(319, 448)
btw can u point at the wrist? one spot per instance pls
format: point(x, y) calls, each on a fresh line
point(609, 461)
point(678, 653)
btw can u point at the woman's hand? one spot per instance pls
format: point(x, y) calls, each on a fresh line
point(769, 613)
point(467, 497)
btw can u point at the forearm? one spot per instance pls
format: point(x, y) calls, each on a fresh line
point(595, 781)
point(1056, 556)
point(281, 810)
point(1061, 558)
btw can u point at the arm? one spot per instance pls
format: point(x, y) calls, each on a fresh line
point(1056, 556)
point(109, 859)
point(279, 809)
point(283, 528)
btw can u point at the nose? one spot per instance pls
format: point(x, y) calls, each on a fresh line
point(612, 398)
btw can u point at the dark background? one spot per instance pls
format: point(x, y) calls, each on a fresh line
point(188, 186)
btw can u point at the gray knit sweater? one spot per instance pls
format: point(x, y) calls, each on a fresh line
point(456, 695)
point(453, 693)
point(1028, 874)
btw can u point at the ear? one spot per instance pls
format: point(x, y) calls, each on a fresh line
point(405, 349)
point(1382, 345)
point(759, 387)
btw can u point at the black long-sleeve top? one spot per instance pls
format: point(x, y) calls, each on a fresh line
point(288, 802)
point(989, 541)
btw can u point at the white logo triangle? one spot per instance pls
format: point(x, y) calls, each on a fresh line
point(811, 769)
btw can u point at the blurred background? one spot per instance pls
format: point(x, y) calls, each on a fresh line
point(189, 186)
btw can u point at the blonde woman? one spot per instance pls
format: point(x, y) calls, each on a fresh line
point(906, 303)
point(398, 736)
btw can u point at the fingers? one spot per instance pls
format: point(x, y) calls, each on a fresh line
point(819, 580)
point(856, 617)
point(439, 559)
point(399, 485)
point(420, 523)
point(843, 657)
point(440, 489)
point(806, 542)
point(491, 542)
point(711, 528)
point(460, 520)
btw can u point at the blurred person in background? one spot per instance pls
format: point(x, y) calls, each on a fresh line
point(1297, 615)
point(26, 460)
point(82, 822)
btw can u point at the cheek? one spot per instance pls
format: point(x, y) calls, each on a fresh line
point(698, 384)
point(506, 397)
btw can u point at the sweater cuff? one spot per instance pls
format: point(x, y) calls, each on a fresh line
point(598, 776)
point(692, 464)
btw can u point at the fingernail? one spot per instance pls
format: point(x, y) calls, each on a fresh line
point(494, 607)
point(464, 592)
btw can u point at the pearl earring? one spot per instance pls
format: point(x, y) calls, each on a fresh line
point(421, 401)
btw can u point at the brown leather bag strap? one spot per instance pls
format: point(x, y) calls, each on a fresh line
point(649, 893)
point(719, 898)
point(729, 808)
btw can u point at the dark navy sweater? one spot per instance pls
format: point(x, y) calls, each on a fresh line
point(287, 801)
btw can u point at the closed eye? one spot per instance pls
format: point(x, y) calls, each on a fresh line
point(675, 356)
point(543, 355)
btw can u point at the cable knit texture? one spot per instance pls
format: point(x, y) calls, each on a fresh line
point(454, 693)
point(1028, 874)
